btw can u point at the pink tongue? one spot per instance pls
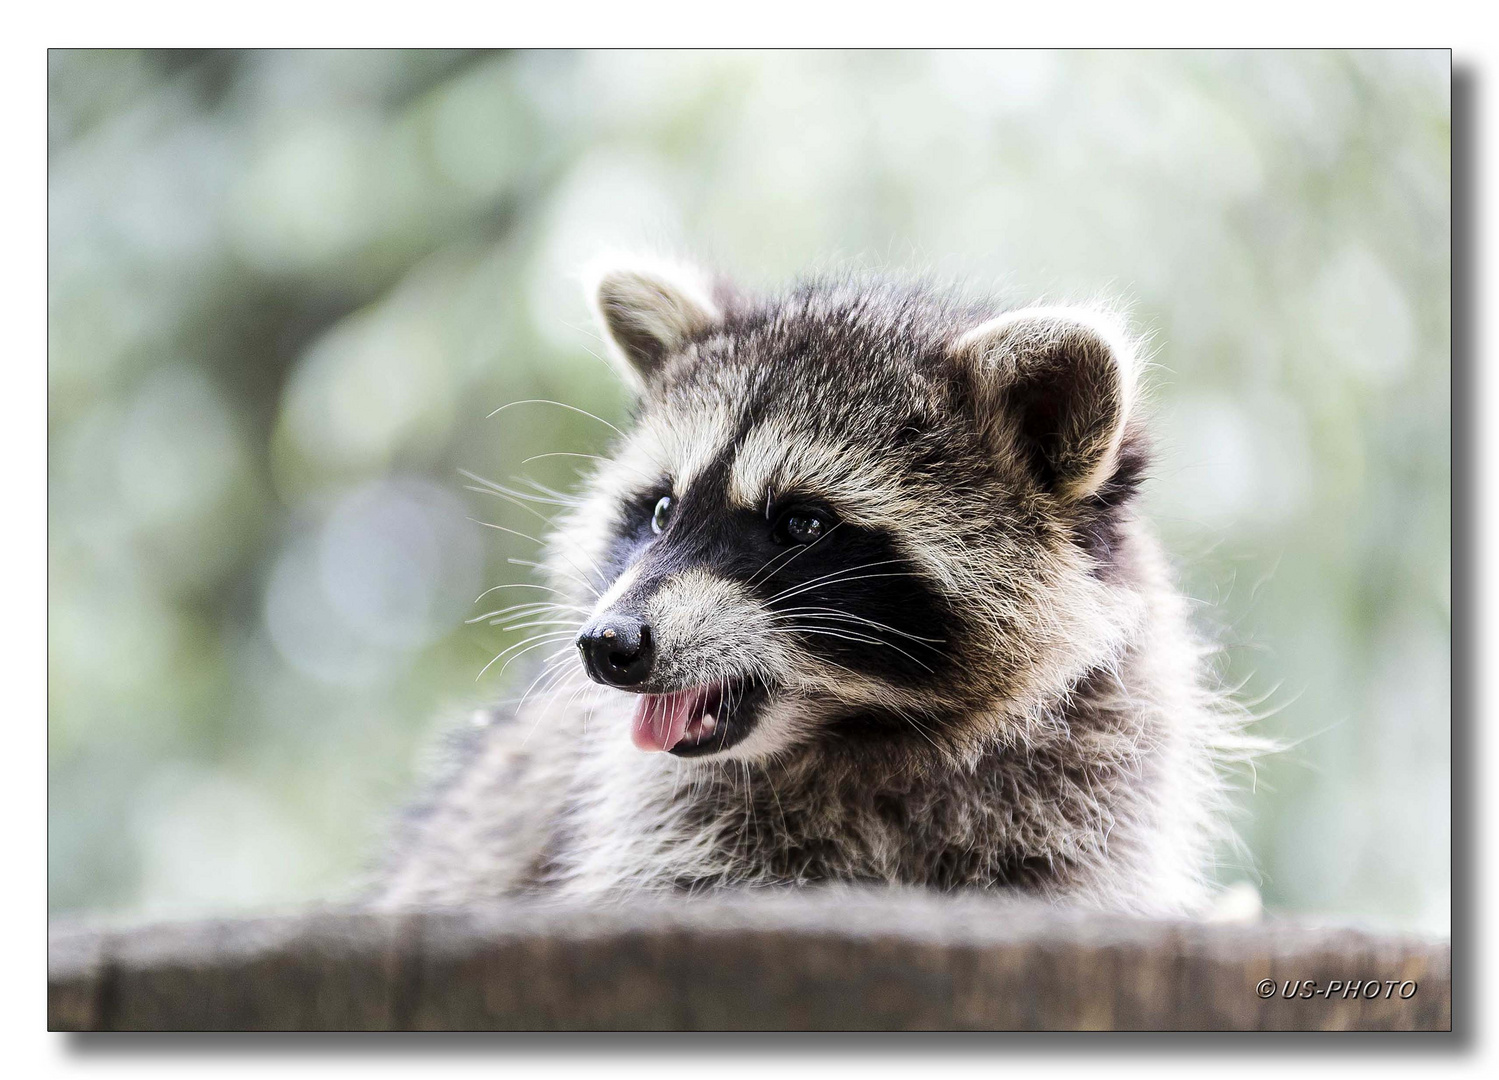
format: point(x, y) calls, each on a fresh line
point(661, 719)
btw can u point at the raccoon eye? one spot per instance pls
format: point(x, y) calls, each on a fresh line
point(800, 527)
point(662, 515)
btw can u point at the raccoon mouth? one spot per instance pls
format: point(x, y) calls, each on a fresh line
point(697, 721)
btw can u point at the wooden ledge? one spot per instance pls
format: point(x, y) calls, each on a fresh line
point(834, 959)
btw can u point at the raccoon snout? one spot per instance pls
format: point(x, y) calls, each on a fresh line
point(617, 650)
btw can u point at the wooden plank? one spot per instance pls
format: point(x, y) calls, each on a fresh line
point(834, 959)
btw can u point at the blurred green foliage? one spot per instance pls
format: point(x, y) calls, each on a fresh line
point(286, 289)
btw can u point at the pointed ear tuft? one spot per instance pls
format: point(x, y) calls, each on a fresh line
point(1054, 385)
point(648, 309)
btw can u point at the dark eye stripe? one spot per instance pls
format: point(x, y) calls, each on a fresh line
point(862, 603)
point(850, 593)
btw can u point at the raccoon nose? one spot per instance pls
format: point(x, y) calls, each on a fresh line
point(617, 650)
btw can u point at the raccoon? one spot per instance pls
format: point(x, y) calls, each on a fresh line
point(863, 596)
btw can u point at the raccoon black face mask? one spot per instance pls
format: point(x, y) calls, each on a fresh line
point(866, 582)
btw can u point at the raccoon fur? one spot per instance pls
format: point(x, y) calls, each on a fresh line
point(862, 596)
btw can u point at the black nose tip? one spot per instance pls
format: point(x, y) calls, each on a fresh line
point(617, 650)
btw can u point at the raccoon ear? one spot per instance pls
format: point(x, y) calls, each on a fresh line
point(1058, 385)
point(649, 309)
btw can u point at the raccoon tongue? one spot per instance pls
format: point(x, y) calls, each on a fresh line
point(661, 719)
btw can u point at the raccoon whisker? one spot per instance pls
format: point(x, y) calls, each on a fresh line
point(500, 613)
point(550, 638)
point(855, 620)
point(513, 500)
point(518, 585)
point(530, 648)
point(765, 567)
point(555, 635)
point(552, 671)
point(530, 639)
point(574, 623)
point(564, 453)
point(551, 677)
point(545, 569)
point(541, 714)
point(847, 616)
point(921, 729)
point(601, 359)
point(520, 610)
point(749, 800)
point(577, 693)
point(845, 579)
point(737, 694)
point(846, 626)
point(483, 487)
point(549, 605)
point(534, 618)
point(559, 615)
point(810, 586)
point(831, 574)
point(558, 668)
point(590, 705)
point(534, 540)
point(523, 536)
point(560, 497)
point(535, 605)
point(560, 405)
point(512, 620)
point(794, 554)
point(554, 498)
point(846, 636)
point(765, 772)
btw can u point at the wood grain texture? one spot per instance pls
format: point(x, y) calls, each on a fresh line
point(841, 960)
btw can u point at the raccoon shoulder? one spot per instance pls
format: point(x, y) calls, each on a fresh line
point(489, 813)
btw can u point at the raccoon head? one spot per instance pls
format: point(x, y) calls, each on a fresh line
point(857, 513)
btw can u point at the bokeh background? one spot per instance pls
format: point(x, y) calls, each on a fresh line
point(287, 288)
